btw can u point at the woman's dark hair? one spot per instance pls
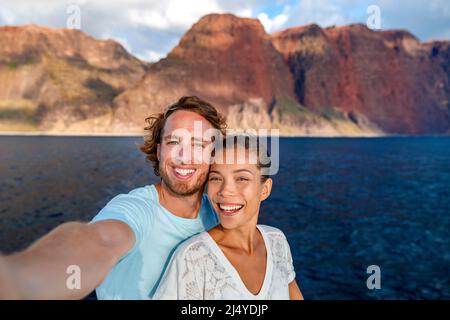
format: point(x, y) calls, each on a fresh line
point(249, 142)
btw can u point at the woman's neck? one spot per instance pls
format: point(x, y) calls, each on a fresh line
point(245, 237)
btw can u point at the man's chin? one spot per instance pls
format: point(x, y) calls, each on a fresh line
point(183, 189)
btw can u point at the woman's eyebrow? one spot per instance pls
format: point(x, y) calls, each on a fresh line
point(241, 170)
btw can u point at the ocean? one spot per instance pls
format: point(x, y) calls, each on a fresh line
point(344, 204)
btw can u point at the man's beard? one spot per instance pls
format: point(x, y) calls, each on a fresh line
point(183, 188)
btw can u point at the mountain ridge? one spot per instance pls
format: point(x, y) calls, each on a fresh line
point(303, 80)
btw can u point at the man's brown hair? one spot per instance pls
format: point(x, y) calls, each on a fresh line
point(157, 121)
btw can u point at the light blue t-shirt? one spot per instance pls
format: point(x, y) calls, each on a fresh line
point(158, 233)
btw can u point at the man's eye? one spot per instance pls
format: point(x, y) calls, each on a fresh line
point(214, 179)
point(242, 179)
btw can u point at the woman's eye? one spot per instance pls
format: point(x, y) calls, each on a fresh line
point(173, 142)
point(242, 179)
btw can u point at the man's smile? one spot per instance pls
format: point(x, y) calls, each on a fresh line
point(183, 173)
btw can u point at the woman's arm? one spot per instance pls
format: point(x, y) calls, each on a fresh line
point(294, 291)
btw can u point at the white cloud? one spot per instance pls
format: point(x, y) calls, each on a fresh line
point(272, 24)
point(265, 21)
point(279, 21)
point(148, 18)
point(245, 13)
point(6, 17)
point(150, 28)
point(123, 41)
point(151, 56)
point(175, 14)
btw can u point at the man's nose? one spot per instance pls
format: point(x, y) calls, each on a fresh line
point(185, 154)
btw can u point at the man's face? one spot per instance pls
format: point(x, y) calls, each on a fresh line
point(183, 153)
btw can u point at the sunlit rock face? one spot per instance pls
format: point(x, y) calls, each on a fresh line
point(60, 79)
point(232, 63)
point(303, 81)
point(398, 83)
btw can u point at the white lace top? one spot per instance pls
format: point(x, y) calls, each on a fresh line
point(200, 270)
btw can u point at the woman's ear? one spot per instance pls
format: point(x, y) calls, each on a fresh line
point(266, 189)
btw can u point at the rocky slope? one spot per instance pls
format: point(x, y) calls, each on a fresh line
point(400, 84)
point(57, 79)
point(232, 63)
point(305, 80)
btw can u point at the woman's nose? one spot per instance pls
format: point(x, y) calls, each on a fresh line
point(227, 189)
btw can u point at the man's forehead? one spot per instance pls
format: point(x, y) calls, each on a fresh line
point(182, 127)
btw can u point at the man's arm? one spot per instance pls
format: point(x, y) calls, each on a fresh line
point(294, 291)
point(41, 271)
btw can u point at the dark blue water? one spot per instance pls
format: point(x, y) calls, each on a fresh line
point(344, 204)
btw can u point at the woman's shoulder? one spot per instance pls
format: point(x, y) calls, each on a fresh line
point(278, 244)
point(275, 236)
point(197, 244)
point(271, 231)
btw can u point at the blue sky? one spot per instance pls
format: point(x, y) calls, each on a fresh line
point(151, 28)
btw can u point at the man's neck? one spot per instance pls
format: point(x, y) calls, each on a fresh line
point(182, 206)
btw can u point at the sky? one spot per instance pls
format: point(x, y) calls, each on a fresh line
point(149, 29)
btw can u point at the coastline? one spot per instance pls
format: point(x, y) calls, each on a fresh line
point(69, 134)
point(135, 134)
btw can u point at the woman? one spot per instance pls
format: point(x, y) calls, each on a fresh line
point(237, 259)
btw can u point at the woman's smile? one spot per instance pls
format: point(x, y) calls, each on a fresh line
point(229, 209)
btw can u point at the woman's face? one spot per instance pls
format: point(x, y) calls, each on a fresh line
point(236, 192)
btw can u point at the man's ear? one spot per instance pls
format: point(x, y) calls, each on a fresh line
point(267, 188)
point(158, 151)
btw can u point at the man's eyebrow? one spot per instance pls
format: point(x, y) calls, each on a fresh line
point(171, 136)
point(175, 137)
point(202, 139)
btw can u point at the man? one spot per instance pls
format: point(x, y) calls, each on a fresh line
point(125, 249)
